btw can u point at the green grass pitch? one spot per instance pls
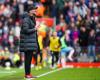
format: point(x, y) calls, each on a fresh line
point(64, 74)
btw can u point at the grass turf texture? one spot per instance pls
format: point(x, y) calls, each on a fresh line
point(64, 74)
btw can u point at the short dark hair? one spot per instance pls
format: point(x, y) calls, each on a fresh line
point(31, 7)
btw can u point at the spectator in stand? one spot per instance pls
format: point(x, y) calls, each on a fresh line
point(7, 11)
point(83, 38)
point(17, 30)
point(54, 9)
point(60, 28)
point(83, 8)
point(65, 12)
point(79, 21)
point(71, 13)
point(77, 8)
point(17, 35)
point(1, 32)
point(98, 34)
point(11, 39)
point(75, 37)
point(91, 45)
point(98, 6)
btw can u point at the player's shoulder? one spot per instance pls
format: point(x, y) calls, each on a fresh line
point(58, 38)
point(51, 37)
point(25, 17)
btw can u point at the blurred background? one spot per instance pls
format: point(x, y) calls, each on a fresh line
point(80, 18)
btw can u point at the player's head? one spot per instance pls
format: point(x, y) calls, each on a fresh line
point(32, 10)
point(54, 34)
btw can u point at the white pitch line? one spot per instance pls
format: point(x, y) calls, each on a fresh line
point(50, 72)
point(6, 72)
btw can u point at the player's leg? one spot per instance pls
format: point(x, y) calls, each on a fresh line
point(56, 57)
point(41, 56)
point(63, 57)
point(71, 52)
point(53, 56)
point(28, 58)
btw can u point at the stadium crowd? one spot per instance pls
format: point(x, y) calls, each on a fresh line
point(77, 25)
